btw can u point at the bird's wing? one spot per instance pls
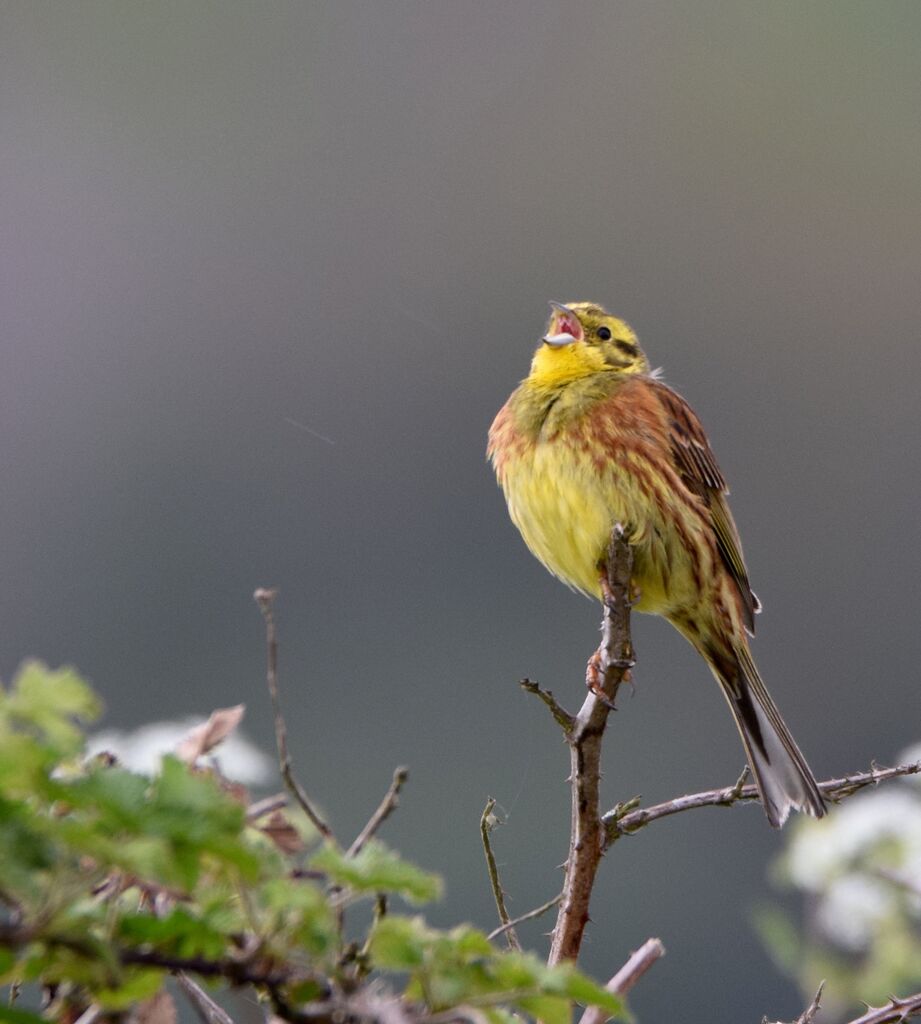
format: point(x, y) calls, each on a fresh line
point(697, 465)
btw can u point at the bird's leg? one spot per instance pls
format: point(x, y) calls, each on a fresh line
point(601, 661)
point(594, 677)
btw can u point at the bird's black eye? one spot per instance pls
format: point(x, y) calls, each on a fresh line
point(603, 333)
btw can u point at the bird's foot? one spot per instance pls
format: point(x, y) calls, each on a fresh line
point(594, 679)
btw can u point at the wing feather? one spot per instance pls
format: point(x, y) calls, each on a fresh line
point(697, 465)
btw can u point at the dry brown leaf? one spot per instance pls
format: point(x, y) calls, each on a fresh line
point(221, 723)
point(158, 1009)
point(282, 833)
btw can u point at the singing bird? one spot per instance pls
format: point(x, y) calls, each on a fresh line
point(592, 438)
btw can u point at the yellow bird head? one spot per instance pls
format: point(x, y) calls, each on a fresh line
point(582, 339)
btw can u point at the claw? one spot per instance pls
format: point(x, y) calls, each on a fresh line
point(593, 679)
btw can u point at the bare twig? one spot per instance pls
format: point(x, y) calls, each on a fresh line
point(564, 719)
point(385, 809)
point(808, 1015)
point(607, 670)
point(265, 598)
point(267, 805)
point(638, 964)
point(486, 826)
point(635, 967)
point(529, 916)
point(896, 1010)
point(625, 819)
point(89, 1015)
point(204, 1006)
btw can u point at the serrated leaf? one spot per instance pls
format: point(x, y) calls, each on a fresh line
point(48, 700)
point(378, 869)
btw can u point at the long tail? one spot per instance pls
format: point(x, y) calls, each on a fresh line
point(781, 774)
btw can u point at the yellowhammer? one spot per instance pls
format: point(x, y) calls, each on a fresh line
point(592, 438)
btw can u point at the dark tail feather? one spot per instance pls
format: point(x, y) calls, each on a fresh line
point(781, 774)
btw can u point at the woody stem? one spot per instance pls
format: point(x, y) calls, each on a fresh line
point(608, 668)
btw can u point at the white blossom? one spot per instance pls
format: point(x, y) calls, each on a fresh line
point(142, 749)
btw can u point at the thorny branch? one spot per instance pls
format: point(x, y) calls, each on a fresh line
point(607, 669)
point(591, 833)
point(894, 1011)
point(627, 818)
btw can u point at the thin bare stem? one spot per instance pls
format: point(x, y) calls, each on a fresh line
point(625, 819)
point(635, 967)
point(563, 718)
point(265, 598)
point(386, 807)
point(205, 1007)
point(89, 1015)
point(486, 826)
point(808, 1015)
point(267, 805)
point(529, 916)
point(607, 669)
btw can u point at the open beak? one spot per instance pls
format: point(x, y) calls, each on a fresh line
point(564, 327)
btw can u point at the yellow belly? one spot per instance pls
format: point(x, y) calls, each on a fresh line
point(565, 508)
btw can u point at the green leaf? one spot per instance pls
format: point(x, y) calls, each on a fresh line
point(469, 942)
point(139, 983)
point(497, 1015)
point(399, 943)
point(516, 971)
point(378, 869)
point(567, 981)
point(25, 764)
point(7, 963)
point(548, 1009)
point(48, 700)
point(180, 933)
point(10, 1015)
point(25, 852)
point(300, 915)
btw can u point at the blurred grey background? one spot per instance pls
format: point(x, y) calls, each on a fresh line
point(268, 271)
